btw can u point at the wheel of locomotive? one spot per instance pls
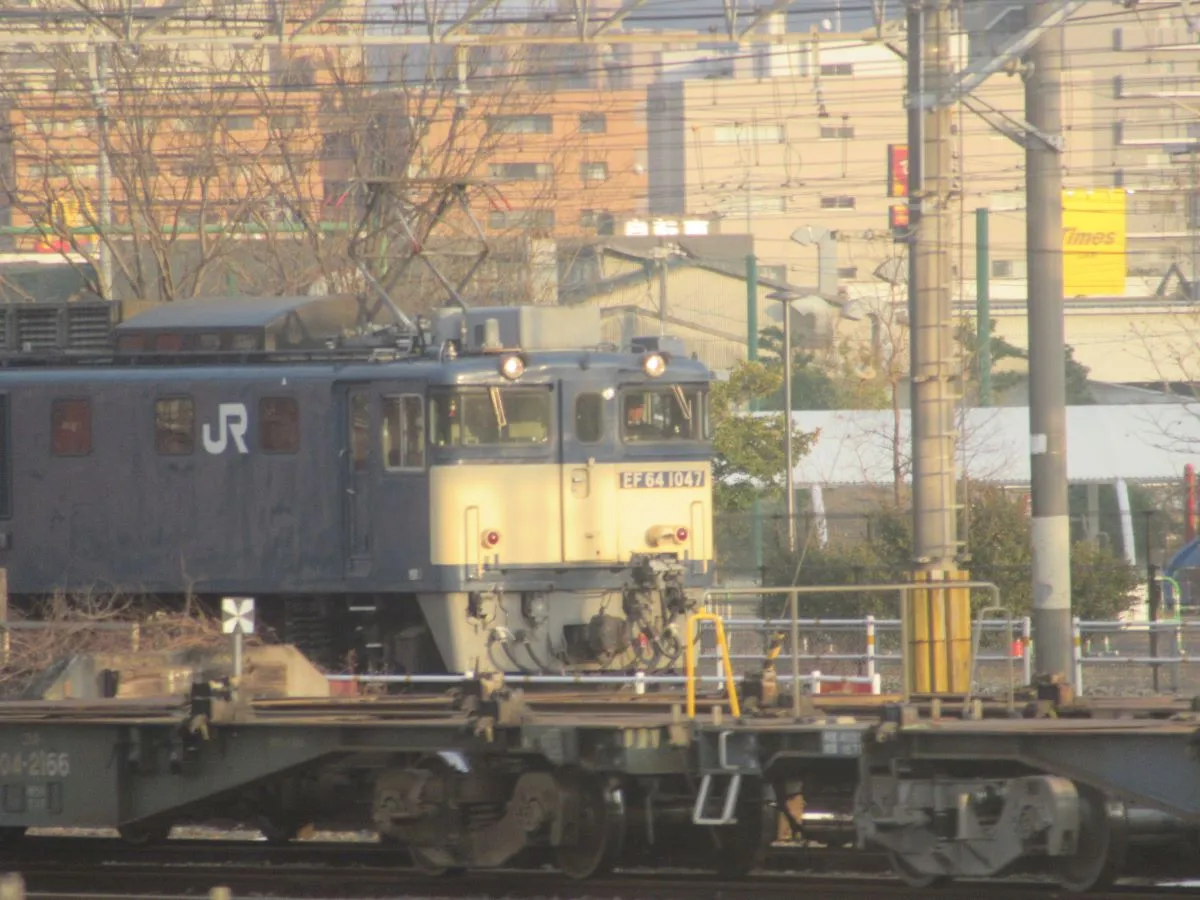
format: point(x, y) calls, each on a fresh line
point(143, 834)
point(742, 846)
point(903, 870)
point(425, 862)
point(280, 830)
point(1101, 846)
point(599, 826)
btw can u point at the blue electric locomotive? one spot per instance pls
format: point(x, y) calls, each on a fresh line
point(498, 491)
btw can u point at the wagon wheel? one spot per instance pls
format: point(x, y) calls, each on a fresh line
point(1100, 850)
point(432, 862)
point(141, 834)
point(906, 872)
point(599, 834)
point(743, 845)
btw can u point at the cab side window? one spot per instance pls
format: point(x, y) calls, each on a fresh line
point(589, 418)
point(403, 432)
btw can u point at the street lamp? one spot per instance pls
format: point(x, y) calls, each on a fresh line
point(786, 297)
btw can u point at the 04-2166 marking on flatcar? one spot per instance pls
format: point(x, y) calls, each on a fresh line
point(35, 763)
point(663, 478)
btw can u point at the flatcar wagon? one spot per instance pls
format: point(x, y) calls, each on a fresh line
point(499, 491)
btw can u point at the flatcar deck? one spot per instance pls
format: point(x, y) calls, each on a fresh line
point(947, 788)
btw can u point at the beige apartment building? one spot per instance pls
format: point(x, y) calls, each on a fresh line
point(767, 156)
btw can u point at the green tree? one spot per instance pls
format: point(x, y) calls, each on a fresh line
point(818, 386)
point(999, 541)
point(749, 449)
point(1079, 393)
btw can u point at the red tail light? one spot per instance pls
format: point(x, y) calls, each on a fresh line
point(491, 538)
point(681, 534)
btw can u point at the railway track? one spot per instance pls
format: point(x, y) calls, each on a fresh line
point(98, 869)
point(147, 883)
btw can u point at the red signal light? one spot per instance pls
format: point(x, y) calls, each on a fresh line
point(681, 534)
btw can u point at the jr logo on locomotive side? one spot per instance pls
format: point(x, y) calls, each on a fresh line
point(231, 420)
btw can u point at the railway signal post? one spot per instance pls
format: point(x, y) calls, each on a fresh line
point(237, 619)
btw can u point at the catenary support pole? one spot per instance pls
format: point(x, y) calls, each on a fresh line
point(756, 547)
point(930, 68)
point(789, 483)
point(1052, 638)
point(938, 618)
point(103, 174)
point(983, 311)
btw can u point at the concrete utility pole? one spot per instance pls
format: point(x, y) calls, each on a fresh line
point(938, 656)
point(931, 202)
point(1047, 359)
point(103, 171)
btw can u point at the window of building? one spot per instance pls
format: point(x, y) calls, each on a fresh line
point(837, 69)
point(521, 124)
point(404, 432)
point(521, 171)
point(589, 418)
point(836, 132)
point(71, 427)
point(279, 424)
point(239, 123)
point(174, 426)
point(839, 202)
point(1008, 268)
point(847, 271)
point(286, 121)
point(740, 133)
point(521, 218)
point(593, 123)
point(594, 171)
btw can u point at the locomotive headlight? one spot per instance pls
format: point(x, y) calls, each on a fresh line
point(511, 367)
point(654, 365)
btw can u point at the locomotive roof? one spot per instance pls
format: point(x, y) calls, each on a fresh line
point(541, 368)
point(219, 312)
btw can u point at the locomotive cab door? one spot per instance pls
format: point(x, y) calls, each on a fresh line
point(357, 474)
point(589, 530)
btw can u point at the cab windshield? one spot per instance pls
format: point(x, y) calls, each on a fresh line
point(469, 417)
point(667, 413)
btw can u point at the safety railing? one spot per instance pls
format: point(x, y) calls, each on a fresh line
point(795, 592)
point(872, 658)
point(1173, 656)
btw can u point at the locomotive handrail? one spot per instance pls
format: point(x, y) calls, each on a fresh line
point(690, 660)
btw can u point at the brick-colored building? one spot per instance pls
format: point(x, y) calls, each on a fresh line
point(175, 159)
point(567, 164)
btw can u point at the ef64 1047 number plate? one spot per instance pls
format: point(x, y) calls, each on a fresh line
point(663, 478)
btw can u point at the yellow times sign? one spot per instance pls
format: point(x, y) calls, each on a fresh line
point(1093, 243)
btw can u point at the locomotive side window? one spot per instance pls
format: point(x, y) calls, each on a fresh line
point(174, 426)
point(71, 427)
point(5, 466)
point(481, 416)
point(360, 430)
point(404, 432)
point(279, 424)
point(673, 413)
point(589, 418)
